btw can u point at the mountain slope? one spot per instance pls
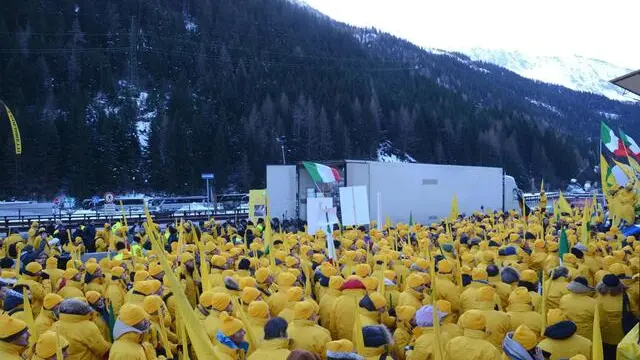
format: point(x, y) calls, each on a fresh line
point(575, 72)
point(121, 95)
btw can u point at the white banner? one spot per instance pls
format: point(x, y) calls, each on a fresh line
point(354, 205)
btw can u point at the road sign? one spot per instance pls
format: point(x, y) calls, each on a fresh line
point(109, 197)
point(95, 200)
point(208, 176)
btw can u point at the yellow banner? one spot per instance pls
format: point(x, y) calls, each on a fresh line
point(15, 131)
point(257, 204)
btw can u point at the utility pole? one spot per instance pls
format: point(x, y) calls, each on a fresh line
point(283, 159)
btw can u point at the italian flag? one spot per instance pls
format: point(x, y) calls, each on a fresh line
point(632, 147)
point(321, 173)
point(612, 142)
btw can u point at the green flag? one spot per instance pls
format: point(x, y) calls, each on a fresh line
point(564, 243)
point(410, 218)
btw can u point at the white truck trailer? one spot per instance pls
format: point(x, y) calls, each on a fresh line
point(424, 190)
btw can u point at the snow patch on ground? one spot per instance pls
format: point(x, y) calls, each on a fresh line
point(387, 153)
point(544, 105)
point(142, 131)
point(608, 115)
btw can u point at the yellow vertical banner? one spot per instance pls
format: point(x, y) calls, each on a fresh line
point(15, 131)
point(257, 204)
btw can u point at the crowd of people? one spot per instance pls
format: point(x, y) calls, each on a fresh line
point(485, 286)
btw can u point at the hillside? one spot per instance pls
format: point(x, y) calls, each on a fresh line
point(123, 95)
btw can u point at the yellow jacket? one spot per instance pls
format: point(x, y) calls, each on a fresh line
point(410, 297)
point(44, 321)
point(274, 349)
point(423, 349)
point(610, 318)
point(327, 303)
point(401, 338)
point(37, 293)
point(10, 351)
point(468, 297)
point(449, 291)
point(628, 348)
point(562, 343)
point(115, 293)
point(557, 289)
point(307, 335)
point(498, 324)
point(522, 314)
point(344, 313)
point(85, 340)
point(257, 327)
point(128, 347)
point(278, 301)
point(71, 289)
point(580, 308)
point(226, 353)
point(471, 346)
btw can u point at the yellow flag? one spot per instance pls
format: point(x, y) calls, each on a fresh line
point(164, 338)
point(436, 319)
point(28, 316)
point(453, 215)
point(563, 205)
point(358, 339)
point(597, 352)
point(542, 185)
point(15, 131)
point(58, 343)
point(545, 293)
point(124, 215)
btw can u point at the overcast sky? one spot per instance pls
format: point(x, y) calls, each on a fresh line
point(601, 29)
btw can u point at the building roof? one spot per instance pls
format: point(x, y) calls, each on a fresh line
point(629, 82)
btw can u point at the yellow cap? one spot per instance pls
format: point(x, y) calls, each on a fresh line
point(371, 283)
point(147, 287)
point(286, 279)
point(155, 269)
point(479, 274)
point(552, 246)
point(328, 270)
point(141, 275)
point(555, 316)
point(46, 345)
point(569, 258)
point(220, 301)
point(10, 326)
point(520, 296)
point(117, 271)
point(473, 319)
point(262, 274)
point(414, 280)
point(229, 325)
point(444, 306)
point(185, 257)
point(217, 260)
point(390, 274)
point(378, 300)
point(70, 273)
point(303, 310)
point(52, 263)
point(529, 276)
point(247, 282)
point(445, 267)
point(258, 309)
point(295, 293)
point(335, 282)
point(132, 314)
point(525, 337)
point(290, 261)
point(620, 270)
point(92, 296)
point(340, 346)
point(249, 294)
point(152, 304)
point(91, 268)
point(51, 300)
point(485, 294)
point(363, 270)
point(33, 267)
point(405, 313)
point(578, 357)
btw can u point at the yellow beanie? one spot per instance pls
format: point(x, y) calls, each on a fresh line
point(141, 275)
point(520, 296)
point(33, 267)
point(117, 271)
point(390, 274)
point(555, 316)
point(52, 263)
point(618, 269)
point(335, 282)
point(247, 282)
point(529, 276)
point(479, 274)
point(445, 267)
point(552, 246)
point(46, 345)
point(290, 261)
point(51, 300)
point(185, 257)
point(10, 326)
point(569, 258)
point(92, 296)
point(328, 270)
point(155, 269)
point(473, 319)
point(340, 346)
point(132, 314)
point(363, 270)
point(444, 306)
point(303, 310)
point(370, 283)
point(70, 273)
point(286, 279)
point(405, 313)
point(295, 294)
point(152, 304)
point(578, 357)
point(258, 309)
point(525, 337)
point(220, 301)
point(147, 287)
point(249, 294)
point(92, 268)
point(378, 300)
point(262, 275)
point(414, 280)
point(229, 325)
point(206, 299)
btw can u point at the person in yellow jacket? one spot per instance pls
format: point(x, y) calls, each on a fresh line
point(497, 322)
point(85, 340)
point(32, 277)
point(142, 289)
point(159, 338)
point(405, 324)
point(14, 338)
point(371, 309)
point(377, 343)
point(580, 306)
point(94, 279)
point(100, 315)
point(116, 290)
point(560, 338)
point(187, 273)
point(328, 301)
point(49, 314)
point(413, 294)
point(629, 348)
point(472, 345)
point(230, 344)
point(521, 344)
point(424, 345)
point(346, 307)
point(220, 302)
point(304, 332)
point(449, 322)
point(70, 286)
point(557, 287)
point(257, 316)
point(51, 270)
point(529, 279)
point(520, 311)
point(609, 296)
point(479, 279)
point(46, 346)
point(447, 290)
point(278, 301)
point(275, 343)
point(129, 330)
point(341, 350)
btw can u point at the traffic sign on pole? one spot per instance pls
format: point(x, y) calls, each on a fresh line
point(109, 198)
